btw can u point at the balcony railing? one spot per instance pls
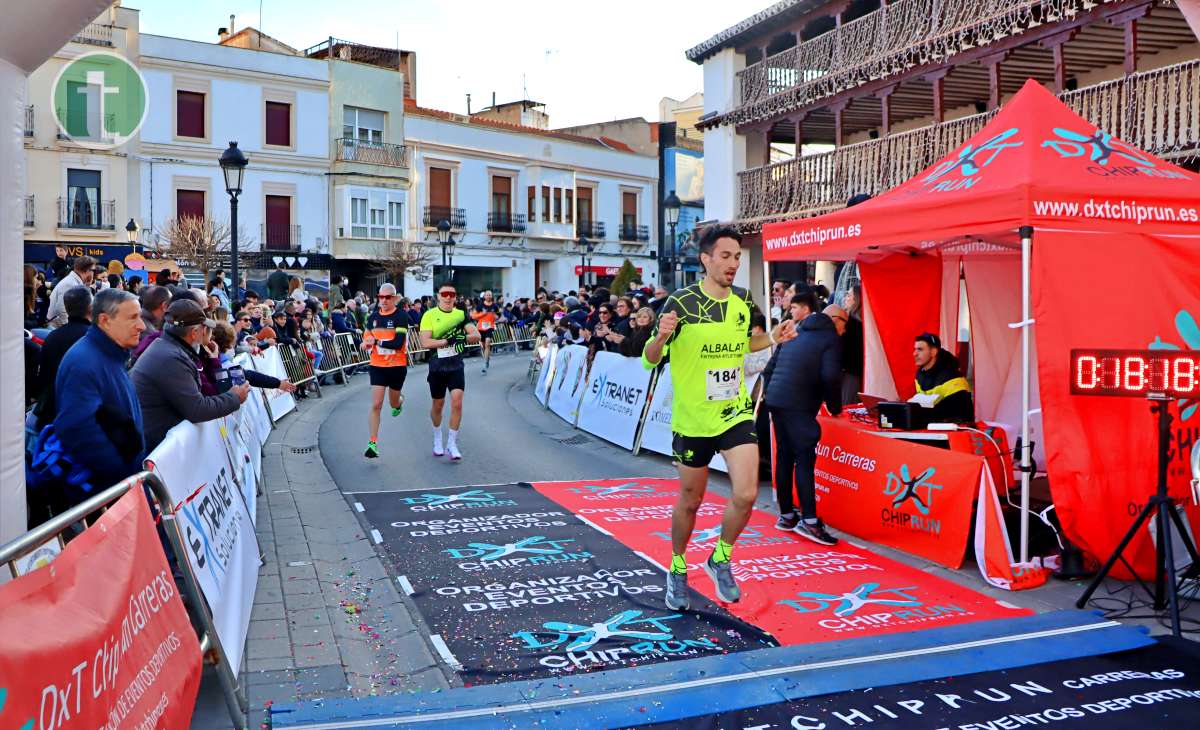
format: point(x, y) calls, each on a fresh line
point(84, 215)
point(29, 208)
point(506, 222)
point(634, 233)
point(590, 229)
point(435, 214)
point(898, 36)
point(95, 34)
point(1158, 111)
point(280, 236)
point(371, 153)
point(29, 121)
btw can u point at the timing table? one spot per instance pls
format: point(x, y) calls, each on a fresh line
point(911, 490)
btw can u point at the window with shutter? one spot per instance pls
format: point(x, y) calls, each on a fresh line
point(546, 203)
point(570, 206)
point(189, 204)
point(189, 114)
point(279, 222)
point(502, 195)
point(279, 124)
point(585, 206)
point(439, 189)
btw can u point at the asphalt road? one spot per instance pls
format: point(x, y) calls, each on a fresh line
point(506, 437)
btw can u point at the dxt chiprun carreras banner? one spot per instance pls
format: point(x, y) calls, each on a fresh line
point(123, 655)
point(516, 587)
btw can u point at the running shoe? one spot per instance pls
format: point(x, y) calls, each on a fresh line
point(484, 371)
point(397, 409)
point(677, 598)
point(372, 451)
point(437, 443)
point(722, 578)
point(452, 450)
point(787, 523)
point(815, 531)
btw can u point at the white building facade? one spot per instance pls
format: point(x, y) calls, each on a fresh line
point(275, 106)
point(524, 205)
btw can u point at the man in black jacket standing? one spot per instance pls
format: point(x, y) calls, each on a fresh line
point(807, 371)
point(78, 303)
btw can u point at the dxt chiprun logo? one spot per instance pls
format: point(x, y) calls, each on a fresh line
point(535, 550)
point(473, 499)
point(622, 638)
point(618, 397)
point(752, 536)
point(628, 490)
point(912, 501)
point(962, 170)
point(1109, 156)
point(850, 609)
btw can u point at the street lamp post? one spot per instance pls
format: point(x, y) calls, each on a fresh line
point(233, 165)
point(447, 243)
point(131, 232)
point(585, 256)
point(671, 206)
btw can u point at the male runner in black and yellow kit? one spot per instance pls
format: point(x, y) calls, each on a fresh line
point(385, 339)
point(444, 332)
point(706, 330)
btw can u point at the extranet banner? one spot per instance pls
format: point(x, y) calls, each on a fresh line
point(1152, 688)
point(513, 586)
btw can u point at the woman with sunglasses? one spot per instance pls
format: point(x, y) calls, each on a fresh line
point(445, 331)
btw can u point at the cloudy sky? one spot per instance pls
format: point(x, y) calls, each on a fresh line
point(587, 63)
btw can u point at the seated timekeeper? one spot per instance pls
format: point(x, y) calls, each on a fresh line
point(939, 375)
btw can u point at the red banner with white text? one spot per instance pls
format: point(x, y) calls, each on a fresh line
point(1102, 451)
point(99, 638)
point(798, 591)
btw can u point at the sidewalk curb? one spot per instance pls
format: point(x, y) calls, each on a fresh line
point(327, 621)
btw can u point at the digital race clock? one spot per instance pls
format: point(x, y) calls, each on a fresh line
point(1136, 373)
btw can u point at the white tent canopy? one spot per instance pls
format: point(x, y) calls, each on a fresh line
point(30, 34)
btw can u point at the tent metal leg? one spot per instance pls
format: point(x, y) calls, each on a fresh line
point(1026, 324)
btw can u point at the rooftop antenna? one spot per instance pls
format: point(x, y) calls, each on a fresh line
point(468, 105)
point(524, 88)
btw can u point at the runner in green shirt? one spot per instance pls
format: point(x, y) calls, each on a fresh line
point(705, 328)
point(444, 332)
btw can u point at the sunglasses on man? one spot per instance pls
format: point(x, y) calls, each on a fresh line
point(447, 294)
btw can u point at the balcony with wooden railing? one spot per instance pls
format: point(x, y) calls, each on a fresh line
point(1158, 111)
point(900, 35)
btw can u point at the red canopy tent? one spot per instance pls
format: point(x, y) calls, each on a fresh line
point(1116, 264)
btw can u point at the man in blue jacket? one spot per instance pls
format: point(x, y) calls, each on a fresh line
point(98, 420)
point(806, 371)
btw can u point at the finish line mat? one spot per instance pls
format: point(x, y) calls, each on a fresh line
point(794, 589)
point(1153, 687)
point(513, 586)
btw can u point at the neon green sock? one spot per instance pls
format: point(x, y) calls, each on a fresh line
point(722, 552)
point(678, 564)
